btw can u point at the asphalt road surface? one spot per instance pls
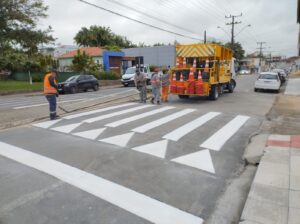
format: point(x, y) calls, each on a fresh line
point(129, 163)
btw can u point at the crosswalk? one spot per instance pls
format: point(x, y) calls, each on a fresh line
point(121, 125)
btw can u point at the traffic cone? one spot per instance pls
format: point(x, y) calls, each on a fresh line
point(181, 79)
point(173, 86)
point(177, 62)
point(206, 69)
point(174, 79)
point(191, 75)
point(181, 87)
point(194, 64)
point(200, 76)
point(184, 62)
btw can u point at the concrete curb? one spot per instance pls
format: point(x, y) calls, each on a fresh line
point(274, 196)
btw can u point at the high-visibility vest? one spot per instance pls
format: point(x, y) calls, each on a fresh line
point(48, 89)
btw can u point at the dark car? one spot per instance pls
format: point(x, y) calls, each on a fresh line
point(78, 83)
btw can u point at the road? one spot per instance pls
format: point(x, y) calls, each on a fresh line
point(129, 163)
point(18, 102)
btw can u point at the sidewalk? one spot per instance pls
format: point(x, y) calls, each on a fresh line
point(274, 197)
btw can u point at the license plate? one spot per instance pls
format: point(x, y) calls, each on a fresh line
point(267, 81)
point(59, 89)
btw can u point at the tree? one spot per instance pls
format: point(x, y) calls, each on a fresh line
point(99, 36)
point(84, 63)
point(19, 36)
point(238, 51)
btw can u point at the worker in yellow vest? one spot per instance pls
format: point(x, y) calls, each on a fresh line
point(50, 91)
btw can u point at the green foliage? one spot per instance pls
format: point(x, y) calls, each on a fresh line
point(238, 51)
point(99, 36)
point(10, 86)
point(110, 75)
point(112, 48)
point(36, 78)
point(85, 64)
point(19, 35)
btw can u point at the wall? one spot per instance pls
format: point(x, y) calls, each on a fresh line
point(160, 55)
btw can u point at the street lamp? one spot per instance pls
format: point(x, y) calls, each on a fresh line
point(219, 27)
point(249, 25)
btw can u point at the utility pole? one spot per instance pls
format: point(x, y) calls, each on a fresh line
point(260, 53)
point(232, 23)
point(205, 36)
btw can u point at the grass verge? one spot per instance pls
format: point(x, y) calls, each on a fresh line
point(11, 86)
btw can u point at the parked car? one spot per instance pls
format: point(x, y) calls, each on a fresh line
point(283, 75)
point(128, 77)
point(268, 81)
point(78, 83)
point(244, 72)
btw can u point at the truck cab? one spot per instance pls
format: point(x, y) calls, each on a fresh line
point(128, 76)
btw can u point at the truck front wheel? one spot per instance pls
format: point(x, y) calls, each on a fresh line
point(231, 86)
point(214, 93)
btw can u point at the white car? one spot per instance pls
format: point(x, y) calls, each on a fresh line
point(268, 81)
point(244, 72)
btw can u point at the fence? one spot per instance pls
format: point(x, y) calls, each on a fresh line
point(39, 76)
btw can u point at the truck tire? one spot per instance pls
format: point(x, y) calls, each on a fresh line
point(214, 93)
point(231, 86)
point(183, 96)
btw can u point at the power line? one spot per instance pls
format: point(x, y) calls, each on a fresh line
point(232, 24)
point(148, 15)
point(138, 21)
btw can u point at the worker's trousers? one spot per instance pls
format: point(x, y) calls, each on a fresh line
point(164, 93)
point(52, 103)
point(143, 93)
point(156, 93)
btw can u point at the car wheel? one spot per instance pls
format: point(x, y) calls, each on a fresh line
point(73, 90)
point(255, 89)
point(96, 87)
point(125, 85)
point(214, 93)
point(84, 90)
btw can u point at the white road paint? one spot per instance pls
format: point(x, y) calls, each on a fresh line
point(43, 104)
point(217, 140)
point(157, 149)
point(187, 128)
point(90, 134)
point(137, 117)
point(102, 117)
point(293, 87)
point(46, 124)
point(66, 128)
point(119, 140)
point(146, 127)
point(98, 111)
point(200, 160)
point(136, 203)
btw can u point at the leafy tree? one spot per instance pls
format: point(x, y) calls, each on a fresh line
point(84, 63)
point(19, 36)
point(238, 51)
point(99, 36)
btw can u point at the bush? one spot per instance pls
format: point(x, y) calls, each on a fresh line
point(36, 78)
point(110, 75)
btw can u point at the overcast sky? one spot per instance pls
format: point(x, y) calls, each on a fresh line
point(272, 21)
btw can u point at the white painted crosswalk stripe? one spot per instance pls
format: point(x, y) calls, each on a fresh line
point(119, 140)
point(102, 117)
point(47, 124)
point(98, 111)
point(187, 128)
point(157, 149)
point(66, 128)
point(200, 160)
point(137, 117)
point(217, 140)
point(141, 205)
point(90, 134)
point(146, 127)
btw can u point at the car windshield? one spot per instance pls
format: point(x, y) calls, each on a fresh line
point(267, 76)
point(130, 70)
point(72, 78)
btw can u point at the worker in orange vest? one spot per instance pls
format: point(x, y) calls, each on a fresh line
point(50, 91)
point(165, 82)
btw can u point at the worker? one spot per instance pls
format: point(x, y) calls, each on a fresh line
point(50, 91)
point(165, 82)
point(140, 81)
point(155, 83)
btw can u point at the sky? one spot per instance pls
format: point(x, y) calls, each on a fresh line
point(272, 21)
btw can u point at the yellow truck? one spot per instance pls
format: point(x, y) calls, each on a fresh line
point(203, 70)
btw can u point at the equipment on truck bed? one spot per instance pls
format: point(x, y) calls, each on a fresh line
point(202, 70)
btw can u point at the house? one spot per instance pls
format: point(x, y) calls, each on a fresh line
point(111, 60)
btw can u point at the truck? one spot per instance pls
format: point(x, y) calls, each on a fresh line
point(128, 77)
point(203, 70)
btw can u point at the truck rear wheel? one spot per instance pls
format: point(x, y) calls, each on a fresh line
point(183, 96)
point(231, 86)
point(214, 93)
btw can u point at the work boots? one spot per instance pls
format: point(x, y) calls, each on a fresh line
point(53, 116)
